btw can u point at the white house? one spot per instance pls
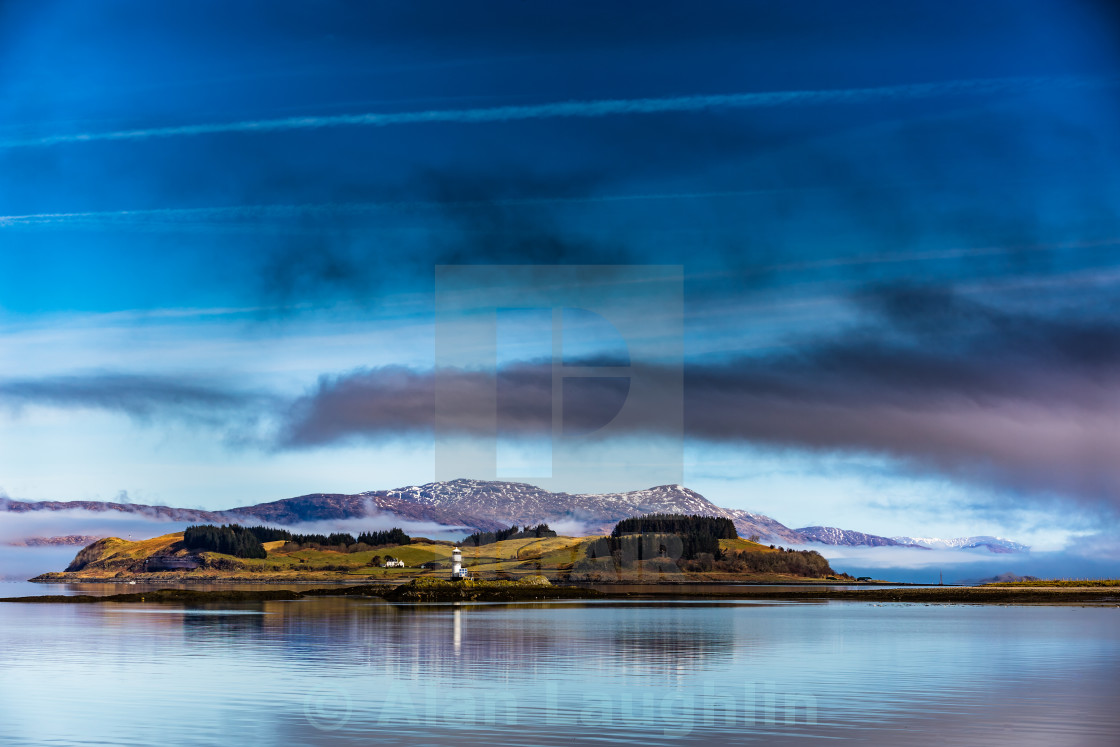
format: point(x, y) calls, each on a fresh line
point(394, 563)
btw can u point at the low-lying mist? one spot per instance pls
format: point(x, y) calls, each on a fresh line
point(963, 566)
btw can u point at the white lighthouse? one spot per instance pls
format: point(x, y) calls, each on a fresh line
point(457, 570)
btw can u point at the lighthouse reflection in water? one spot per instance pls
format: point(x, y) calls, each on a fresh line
point(458, 572)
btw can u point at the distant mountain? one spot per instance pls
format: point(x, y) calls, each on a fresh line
point(487, 505)
point(992, 544)
point(477, 505)
point(850, 537)
point(299, 510)
point(511, 503)
point(70, 540)
point(157, 513)
point(335, 506)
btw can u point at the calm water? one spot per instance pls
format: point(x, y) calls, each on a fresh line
point(350, 672)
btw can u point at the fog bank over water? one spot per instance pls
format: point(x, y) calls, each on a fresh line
point(16, 526)
point(1079, 559)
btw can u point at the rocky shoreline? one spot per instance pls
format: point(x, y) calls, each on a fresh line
point(426, 590)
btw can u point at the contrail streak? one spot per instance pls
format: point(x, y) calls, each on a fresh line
point(280, 211)
point(587, 109)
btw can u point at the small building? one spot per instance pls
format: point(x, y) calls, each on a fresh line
point(394, 563)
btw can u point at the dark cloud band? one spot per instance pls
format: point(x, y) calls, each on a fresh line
point(938, 382)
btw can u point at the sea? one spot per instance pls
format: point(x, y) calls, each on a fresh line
point(351, 671)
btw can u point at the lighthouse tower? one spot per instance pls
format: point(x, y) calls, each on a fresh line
point(457, 570)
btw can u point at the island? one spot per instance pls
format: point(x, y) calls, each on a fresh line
point(655, 556)
point(658, 549)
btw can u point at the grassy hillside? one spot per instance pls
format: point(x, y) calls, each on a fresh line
point(116, 554)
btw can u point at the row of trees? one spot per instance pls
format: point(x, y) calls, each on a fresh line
point(392, 536)
point(395, 536)
point(691, 536)
point(488, 538)
point(716, 526)
point(229, 539)
point(247, 542)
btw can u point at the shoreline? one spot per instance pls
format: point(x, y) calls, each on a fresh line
point(563, 577)
point(514, 592)
point(211, 580)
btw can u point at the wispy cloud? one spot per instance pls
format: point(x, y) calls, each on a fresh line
point(138, 396)
point(585, 109)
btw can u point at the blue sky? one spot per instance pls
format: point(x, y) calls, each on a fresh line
point(897, 227)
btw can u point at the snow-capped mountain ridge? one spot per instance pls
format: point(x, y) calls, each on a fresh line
point(848, 537)
point(851, 538)
point(522, 503)
point(993, 544)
